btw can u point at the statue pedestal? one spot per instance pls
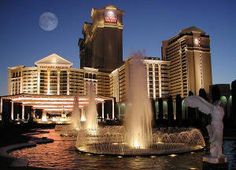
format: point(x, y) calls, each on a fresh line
point(214, 163)
point(214, 160)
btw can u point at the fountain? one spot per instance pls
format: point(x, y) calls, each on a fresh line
point(76, 114)
point(136, 137)
point(138, 116)
point(91, 123)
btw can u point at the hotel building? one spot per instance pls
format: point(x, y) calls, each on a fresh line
point(157, 75)
point(190, 61)
point(185, 66)
point(52, 84)
point(54, 75)
point(101, 47)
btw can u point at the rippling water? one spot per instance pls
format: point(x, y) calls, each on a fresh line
point(61, 154)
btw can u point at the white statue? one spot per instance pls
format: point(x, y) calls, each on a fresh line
point(215, 129)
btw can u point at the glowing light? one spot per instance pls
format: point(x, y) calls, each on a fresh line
point(120, 157)
point(196, 41)
point(54, 102)
point(44, 118)
point(223, 100)
point(82, 148)
point(173, 155)
point(54, 109)
point(83, 118)
point(136, 144)
point(42, 99)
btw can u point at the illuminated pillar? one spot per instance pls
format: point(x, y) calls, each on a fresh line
point(21, 82)
point(1, 105)
point(102, 110)
point(1, 109)
point(159, 74)
point(68, 83)
point(48, 92)
point(154, 79)
point(58, 82)
point(12, 110)
point(38, 80)
point(148, 90)
point(23, 112)
point(113, 109)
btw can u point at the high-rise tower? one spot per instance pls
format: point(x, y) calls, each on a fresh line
point(190, 57)
point(101, 46)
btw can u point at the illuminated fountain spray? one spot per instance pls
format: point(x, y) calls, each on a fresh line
point(44, 117)
point(83, 118)
point(76, 114)
point(138, 115)
point(91, 123)
point(136, 137)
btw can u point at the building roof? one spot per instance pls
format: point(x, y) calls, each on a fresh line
point(192, 29)
point(53, 60)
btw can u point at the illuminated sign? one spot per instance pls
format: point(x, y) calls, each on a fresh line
point(110, 16)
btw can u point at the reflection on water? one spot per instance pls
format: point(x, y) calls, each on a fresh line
point(230, 151)
point(61, 154)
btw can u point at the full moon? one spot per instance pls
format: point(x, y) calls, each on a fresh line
point(48, 21)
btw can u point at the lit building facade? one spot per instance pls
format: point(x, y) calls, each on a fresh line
point(190, 61)
point(54, 75)
point(101, 47)
point(157, 75)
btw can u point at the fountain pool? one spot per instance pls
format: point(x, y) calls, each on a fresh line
point(136, 137)
point(110, 140)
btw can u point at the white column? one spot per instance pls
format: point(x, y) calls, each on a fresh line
point(68, 83)
point(38, 81)
point(103, 111)
point(1, 109)
point(159, 72)
point(48, 92)
point(1, 105)
point(21, 82)
point(148, 90)
point(154, 79)
point(12, 110)
point(113, 109)
point(23, 112)
point(58, 82)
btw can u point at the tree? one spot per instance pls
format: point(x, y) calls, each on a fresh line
point(178, 110)
point(170, 111)
point(215, 93)
point(202, 93)
point(154, 110)
point(160, 114)
point(191, 112)
point(233, 112)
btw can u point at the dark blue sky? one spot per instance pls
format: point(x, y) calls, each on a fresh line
point(146, 24)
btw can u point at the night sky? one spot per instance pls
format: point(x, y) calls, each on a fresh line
point(146, 24)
